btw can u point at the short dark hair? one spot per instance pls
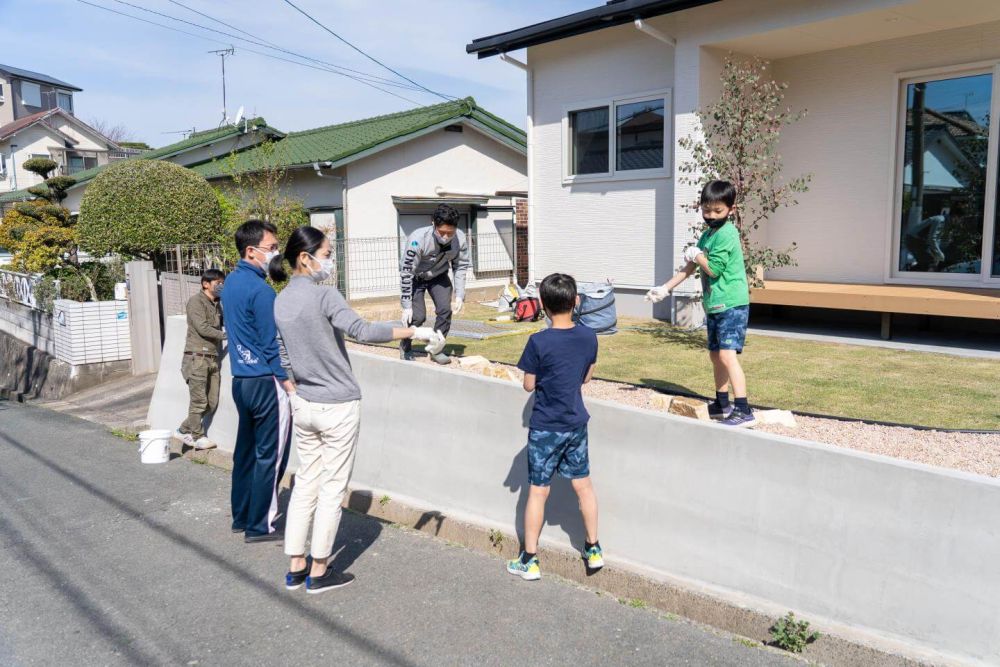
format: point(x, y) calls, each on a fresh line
point(445, 215)
point(558, 292)
point(211, 275)
point(718, 192)
point(250, 233)
point(304, 239)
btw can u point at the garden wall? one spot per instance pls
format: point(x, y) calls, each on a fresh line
point(893, 549)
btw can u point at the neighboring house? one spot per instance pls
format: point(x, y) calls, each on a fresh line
point(371, 182)
point(54, 134)
point(24, 93)
point(612, 89)
point(199, 148)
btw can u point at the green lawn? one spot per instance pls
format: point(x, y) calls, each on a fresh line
point(847, 380)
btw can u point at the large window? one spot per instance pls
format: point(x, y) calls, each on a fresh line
point(948, 187)
point(634, 146)
point(31, 94)
point(76, 162)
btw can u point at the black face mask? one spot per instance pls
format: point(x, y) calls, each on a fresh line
point(715, 223)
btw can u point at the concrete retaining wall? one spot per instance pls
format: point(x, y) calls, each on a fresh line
point(28, 325)
point(895, 550)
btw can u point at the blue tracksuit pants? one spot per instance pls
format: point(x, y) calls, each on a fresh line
point(261, 452)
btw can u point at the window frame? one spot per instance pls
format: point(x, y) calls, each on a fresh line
point(68, 94)
point(612, 104)
point(24, 99)
point(984, 278)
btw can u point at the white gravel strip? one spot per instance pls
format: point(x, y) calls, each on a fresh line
point(971, 452)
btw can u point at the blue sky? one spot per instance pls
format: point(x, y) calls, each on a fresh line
point(154, 81)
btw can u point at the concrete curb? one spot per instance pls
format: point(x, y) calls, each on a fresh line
point(671, 598)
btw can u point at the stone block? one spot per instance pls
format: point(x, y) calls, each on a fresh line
point(689, 407)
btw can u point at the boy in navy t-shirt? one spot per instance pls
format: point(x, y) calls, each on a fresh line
point(557, 362)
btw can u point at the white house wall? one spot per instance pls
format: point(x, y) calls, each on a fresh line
point(598, 230)
point(847, 141)
point(87, 140)
point(34, 140)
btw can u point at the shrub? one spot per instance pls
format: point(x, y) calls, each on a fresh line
point(136, 207)
point(73, 281)
point(42, 166)
point(38, 235)
point(792, 635)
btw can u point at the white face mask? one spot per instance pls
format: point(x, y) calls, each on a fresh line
point(268, 255)
point(325, 269)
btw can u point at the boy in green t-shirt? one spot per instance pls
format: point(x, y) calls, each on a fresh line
point(725, 296)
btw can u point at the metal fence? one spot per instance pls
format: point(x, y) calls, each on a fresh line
point(364, 268)
point(181, 277)
point(368, 268)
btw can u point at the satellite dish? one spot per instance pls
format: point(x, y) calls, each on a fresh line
point(239, 116)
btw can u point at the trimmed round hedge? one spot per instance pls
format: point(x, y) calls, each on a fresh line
point(136, 207)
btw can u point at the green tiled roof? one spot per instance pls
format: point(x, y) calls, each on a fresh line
point(340, 143)
point(194, 141)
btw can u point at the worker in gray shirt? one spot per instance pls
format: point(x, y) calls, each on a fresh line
point(423, 267)
point(312, 321)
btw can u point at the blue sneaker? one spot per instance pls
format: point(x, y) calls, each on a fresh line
point(716, 411)
point(529, 571)
point(739, 419)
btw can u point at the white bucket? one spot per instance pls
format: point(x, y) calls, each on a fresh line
point(154, 446)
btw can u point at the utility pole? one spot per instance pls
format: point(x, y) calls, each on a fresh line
point(222, 53)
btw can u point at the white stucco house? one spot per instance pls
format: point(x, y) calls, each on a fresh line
point(888, 84)
point(373, 181)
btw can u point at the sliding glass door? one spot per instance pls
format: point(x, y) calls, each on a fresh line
point(947, 188)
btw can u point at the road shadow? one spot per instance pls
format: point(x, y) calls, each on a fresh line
point(562, 509)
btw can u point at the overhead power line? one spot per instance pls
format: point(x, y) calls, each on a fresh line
point(365, 54)
point(257, 41)
point(259, 53)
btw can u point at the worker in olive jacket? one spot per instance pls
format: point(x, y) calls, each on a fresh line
point(200, 366)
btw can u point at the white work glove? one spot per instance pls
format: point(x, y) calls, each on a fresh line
point(407, 316)
point(456, 307)
point(657, 294)
point(424, 333)
point(436, 344)
point(691, 252)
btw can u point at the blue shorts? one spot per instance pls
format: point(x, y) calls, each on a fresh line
point(551, 451)
point(728, 330)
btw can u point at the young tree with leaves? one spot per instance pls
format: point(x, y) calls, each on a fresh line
point(739, 143)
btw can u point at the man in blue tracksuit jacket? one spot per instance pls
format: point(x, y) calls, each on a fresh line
point(260, 385)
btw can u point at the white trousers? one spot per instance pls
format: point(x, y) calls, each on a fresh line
point(326, 439)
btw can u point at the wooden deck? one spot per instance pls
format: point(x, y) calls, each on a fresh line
point(885, 299)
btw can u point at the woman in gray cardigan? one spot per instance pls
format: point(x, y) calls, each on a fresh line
point(312, 321)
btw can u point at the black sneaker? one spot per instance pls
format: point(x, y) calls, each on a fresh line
point(296, 580)
point(331, 579)
point(406, 355)
point(716, 411)
point(266, 537)
point(739, 419)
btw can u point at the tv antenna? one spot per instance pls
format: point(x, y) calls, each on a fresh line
point(222, 53)
point(186, 133)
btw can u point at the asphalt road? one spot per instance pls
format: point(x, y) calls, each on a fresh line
point(107, 561)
